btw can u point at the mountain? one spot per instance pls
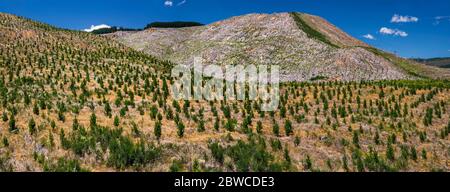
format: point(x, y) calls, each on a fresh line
point(303, 45)
point(443, 62)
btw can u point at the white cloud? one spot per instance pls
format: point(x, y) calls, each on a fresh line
point(394, 32)
point(168, 3)
point(181, 3)
point(442, 18)
point(96, 27)
point(369, 36)
point(439, 19)
point(404, 19)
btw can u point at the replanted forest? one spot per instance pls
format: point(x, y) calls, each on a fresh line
point(75, 101)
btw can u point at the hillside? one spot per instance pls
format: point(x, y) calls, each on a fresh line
point(305, 47)
point(52, 80)
point(437, 62)
point(72, 101)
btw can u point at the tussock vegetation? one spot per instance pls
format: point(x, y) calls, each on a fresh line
point(72, 101)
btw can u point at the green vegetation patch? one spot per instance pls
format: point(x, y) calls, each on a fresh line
point(64, 165)
point(112, 30)
point(318, 78)
point(311, 32)
point(124, 153)
point(251, 156)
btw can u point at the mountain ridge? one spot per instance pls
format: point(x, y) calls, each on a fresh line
point(443, 62)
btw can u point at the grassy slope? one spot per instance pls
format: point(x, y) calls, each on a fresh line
point(411, 67)
point(402, 63)
point(310, 31)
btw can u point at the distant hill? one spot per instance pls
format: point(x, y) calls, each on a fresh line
point(175, 24)
point(443, 62)
point(112, 30)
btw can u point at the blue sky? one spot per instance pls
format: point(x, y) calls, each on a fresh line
point(421, 29)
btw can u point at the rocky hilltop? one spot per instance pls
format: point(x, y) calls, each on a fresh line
point(305, 46)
